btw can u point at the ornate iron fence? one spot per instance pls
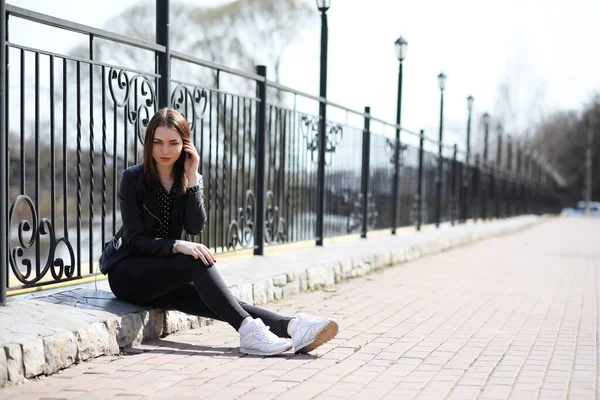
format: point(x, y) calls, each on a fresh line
point(71, 125)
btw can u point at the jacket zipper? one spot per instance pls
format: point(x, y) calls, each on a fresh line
point(150, 212)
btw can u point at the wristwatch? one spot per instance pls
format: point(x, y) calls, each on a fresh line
point(174, 248)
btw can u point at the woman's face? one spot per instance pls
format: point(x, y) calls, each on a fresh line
point(167, 146)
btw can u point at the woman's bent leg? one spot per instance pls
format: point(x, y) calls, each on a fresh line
point(144, 280)
point(185, 299)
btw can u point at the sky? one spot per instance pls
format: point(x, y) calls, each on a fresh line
point(542, 51)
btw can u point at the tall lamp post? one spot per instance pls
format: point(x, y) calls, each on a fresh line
point(486, 132)
point(466, 201)
point(323, 6)
point(497, 179)
point(510, 178)
point(484, 188)
point(499, 129)
point(470, 100)
point(400, 45)
point(438, 208)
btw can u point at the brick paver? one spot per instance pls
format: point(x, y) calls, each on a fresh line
point(510, 317)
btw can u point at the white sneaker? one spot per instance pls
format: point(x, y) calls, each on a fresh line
point(260, 341)
point(311, 332)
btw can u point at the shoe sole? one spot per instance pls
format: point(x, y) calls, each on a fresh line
point(262, 353)
point(325, 335)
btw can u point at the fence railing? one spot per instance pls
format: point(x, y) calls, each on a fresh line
point(71, 125)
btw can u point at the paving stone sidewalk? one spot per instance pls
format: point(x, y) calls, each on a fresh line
point(44, 332)
point(508, 317)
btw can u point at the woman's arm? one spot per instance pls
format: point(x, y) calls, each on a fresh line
point(132, 215)
point(194, 218)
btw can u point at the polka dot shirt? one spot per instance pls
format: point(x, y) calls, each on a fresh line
point(165, 201)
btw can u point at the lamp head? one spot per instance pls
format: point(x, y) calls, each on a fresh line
point(323, 5)
point(400, 45)
point(442, 80)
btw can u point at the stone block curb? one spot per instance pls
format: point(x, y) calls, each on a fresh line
point(93, 334)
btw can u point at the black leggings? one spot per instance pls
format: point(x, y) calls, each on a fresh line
point(182, 283)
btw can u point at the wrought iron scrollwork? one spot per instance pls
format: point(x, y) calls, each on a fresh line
point(136, 95)
point(354, 221)
point(241, 233)
point(333, 137)
point(121, 79)
point(275, 225)
point(310, 131)
point(190, 102)
point(36, 229)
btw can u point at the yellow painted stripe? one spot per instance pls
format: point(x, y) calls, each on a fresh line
point(305, 244)
point(74, 282)
point(340, 239)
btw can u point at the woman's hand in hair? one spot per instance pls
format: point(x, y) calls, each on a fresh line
point(192, 160)
point(198, 251)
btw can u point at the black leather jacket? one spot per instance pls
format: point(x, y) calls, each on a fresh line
point(140, 212)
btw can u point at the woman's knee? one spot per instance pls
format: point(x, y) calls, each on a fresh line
point(201, 271)
point(185, 262)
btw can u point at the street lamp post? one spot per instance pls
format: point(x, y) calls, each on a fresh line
point(323, 6)
point(510, 177)
point(484, 171)
point(588, 171)
point(438, 209)
point(470, 100)
point(400, 45)
point(497, 190)
point(486, 132)
point(519, 178)
point(466, 198)
point(499, 150)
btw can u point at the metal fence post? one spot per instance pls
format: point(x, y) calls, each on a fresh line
point(491, 193)
point(320, 233)
point(526, 183)
point(261, 119)
point(474, 190)
point(438, 185)
point(420, 183)
point(397, 150)
point(518, 181)
point(481, 186)
point(3, 160)
point(366, 158)
point(510, 177)
point(163, 59)
point(453, 202)
point(497, 192)
point(462, 207)
point(464, 170)
point(498, 180)
point(519, 196)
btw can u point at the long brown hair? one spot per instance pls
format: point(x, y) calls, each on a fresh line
point(169, 118)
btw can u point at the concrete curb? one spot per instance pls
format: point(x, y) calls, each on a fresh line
point(56, 349)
